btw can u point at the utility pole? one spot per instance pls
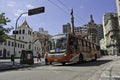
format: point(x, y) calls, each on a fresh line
point(72, 21)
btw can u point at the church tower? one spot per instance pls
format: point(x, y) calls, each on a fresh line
point(24, 32)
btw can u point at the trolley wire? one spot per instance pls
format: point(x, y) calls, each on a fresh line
point(57, 6)
point(77, 17)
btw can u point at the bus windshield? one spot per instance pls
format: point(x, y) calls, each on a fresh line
point(57, 44)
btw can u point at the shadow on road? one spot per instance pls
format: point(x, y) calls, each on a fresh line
point(87, 64)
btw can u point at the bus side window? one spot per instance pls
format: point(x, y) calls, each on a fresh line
point(73, 45)
point(95, 47)
point(80, 45)
point(92, 46)
point(89, 46)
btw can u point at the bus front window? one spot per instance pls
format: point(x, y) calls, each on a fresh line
point(57, 45)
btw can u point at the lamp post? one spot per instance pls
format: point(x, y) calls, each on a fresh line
point(30, 12)
point(16, 32)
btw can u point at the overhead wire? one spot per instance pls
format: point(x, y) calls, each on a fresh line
point(77, 18)
point(57, 6)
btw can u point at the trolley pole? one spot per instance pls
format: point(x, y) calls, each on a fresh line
point(72, 21)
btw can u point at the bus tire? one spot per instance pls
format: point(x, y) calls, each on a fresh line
point(50, 63)
point(95, 58)
point(81, 58)
point(63, 63)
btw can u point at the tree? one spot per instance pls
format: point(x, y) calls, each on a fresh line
point(3, 31)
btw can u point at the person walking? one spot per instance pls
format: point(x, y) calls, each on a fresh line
point(38, 57)
point(45, 56)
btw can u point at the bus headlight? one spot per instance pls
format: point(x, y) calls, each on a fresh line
point(65, 55)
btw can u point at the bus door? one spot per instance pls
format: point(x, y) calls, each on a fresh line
point(73, 48)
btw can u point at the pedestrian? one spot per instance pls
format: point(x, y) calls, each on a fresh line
point(38, 57)
point(12, 59)
point(45, 56)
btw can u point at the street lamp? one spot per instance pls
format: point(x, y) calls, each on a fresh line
point(16, 33)
point(30, 12)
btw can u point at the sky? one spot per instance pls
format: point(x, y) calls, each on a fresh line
point(57, 12)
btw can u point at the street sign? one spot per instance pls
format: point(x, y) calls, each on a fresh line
point(36, 11)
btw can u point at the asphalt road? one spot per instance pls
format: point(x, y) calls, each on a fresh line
point(73, 71)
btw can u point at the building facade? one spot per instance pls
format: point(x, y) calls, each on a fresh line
point(66, 28)
point(7, 47)
point(25, 40)
point(91, 31)
point(111, 33)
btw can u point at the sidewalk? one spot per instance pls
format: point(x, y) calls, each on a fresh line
point(109, 72)
point(112, 72)
point(6, 64)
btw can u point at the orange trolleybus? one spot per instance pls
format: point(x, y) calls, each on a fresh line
point(64, 48)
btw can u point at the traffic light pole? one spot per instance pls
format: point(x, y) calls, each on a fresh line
point(30, 12)
point(15, 35)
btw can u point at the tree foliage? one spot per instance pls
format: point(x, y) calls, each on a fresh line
point(3, 31)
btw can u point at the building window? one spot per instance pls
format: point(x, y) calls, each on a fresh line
point(23, 37)
point(12, 44)
point(19, 37)
point(20, 45)
point(29, 32)
point(15, 44)
point(8, 53)
point(19, 52)
point(23, 31)
point(29, 46)
point(0, 52)
point(8, 43)
point(5, 43)
point(23, 46)
point(19, 31)
point(0, 43)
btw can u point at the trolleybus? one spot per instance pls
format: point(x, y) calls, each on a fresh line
point(65, 48)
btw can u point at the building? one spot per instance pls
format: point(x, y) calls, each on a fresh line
point(25, 40)
point(42, 31)
point(111, 33)
point(7, 47)
point(66, 28)
point(43, 38)
point(100, 33)
point(118, 10)
point(91, 31)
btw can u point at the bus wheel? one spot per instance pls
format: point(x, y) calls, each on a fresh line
point(80, 58)
point(50, 63)
point(63, 63)
point(95, 58)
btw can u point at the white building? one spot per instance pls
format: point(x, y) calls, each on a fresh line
point(24, 41)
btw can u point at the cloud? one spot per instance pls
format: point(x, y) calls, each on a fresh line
point(29, 6)
point(18, 12)
point(11, 4)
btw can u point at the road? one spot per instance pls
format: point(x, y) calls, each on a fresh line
point(83, 71)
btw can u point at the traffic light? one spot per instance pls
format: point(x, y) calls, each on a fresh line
point(36, 11)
